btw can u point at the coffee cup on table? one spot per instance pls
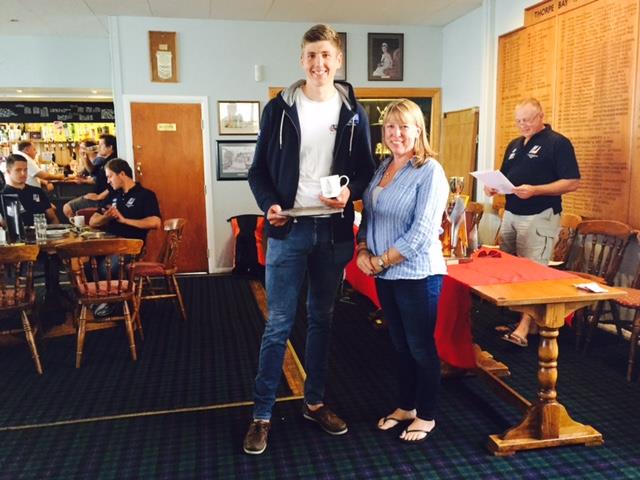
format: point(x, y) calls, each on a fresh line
point(332, 184)
point(78, 221)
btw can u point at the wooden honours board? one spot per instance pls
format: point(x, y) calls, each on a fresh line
point(579, 58)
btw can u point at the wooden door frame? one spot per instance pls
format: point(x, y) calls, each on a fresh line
point(127, 100)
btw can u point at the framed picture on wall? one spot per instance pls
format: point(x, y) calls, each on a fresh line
point(385, 56)
point(341, 73)
point(238, 118)
point(235, 158)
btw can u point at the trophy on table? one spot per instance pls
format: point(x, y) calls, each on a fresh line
point(455, 238)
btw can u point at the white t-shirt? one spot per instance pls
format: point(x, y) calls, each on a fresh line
point(318, 127)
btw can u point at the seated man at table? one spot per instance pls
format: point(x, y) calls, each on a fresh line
point(33, 199)
point(130, 211)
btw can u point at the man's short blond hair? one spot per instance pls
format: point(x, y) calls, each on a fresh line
point(321, 32)
point(530, 101)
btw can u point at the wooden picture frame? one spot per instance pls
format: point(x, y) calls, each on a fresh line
point(341, 73)
point(238, 117)
point(164, 57)
point(385, 53)
point(234, 159)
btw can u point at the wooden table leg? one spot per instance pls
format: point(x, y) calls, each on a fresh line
point(546, 423)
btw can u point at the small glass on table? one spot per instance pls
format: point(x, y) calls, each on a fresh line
point(40, 224)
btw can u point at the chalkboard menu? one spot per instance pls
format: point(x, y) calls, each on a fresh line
point(44, 112)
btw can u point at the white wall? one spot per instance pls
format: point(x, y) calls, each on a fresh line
point(216, 59)
point(462, 54)
point(55, 62)
point(469, 67)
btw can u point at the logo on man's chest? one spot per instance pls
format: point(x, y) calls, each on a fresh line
point(535, 150)
point(512, 155)
point(130, 202)
point(36, 197)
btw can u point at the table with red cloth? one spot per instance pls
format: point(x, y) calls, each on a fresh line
point(454, 340)
point(549, 296)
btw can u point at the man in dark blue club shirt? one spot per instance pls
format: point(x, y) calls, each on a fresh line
point(542, 165)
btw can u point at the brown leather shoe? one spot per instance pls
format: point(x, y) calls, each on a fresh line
point(327, 420)
point(255, 441)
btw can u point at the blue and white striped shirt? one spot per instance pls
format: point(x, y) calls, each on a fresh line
point(407, 216)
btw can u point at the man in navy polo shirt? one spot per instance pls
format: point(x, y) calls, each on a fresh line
point(33, 199)
point(542, 165)
point(130, 210)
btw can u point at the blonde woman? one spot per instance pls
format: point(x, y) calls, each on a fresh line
point(400, 246)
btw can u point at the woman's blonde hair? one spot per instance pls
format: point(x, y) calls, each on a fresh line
point(407, 112)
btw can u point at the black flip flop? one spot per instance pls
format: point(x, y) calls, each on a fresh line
point(393, 419)
point(515, 339)
point(427, 434)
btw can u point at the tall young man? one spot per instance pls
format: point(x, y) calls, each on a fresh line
point(312, 129)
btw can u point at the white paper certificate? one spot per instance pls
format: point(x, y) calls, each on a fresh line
point(494, 179)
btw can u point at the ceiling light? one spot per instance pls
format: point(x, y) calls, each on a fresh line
point(95, 92)
point(19, 91)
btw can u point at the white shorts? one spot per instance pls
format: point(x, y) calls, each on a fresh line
point(530, 236)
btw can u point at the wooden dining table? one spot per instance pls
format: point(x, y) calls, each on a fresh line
point(550, 297)
point(545, 422)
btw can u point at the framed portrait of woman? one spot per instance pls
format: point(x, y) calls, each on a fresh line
point(385, 56)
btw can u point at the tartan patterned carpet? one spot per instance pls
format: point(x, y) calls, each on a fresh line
point(209, 360)
point(208, 444)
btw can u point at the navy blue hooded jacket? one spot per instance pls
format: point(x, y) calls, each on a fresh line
point(274, 174)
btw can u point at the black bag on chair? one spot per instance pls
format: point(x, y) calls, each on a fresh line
point(249, 252)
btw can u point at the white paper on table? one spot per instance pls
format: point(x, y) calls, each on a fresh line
point(591, 287)
point(494, 179)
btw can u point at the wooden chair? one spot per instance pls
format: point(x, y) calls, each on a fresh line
point(496, 241)
point(165, 268)
point(596, 254)
point(83, 260)
point(17, 293)
point(631, 301)
point(568, 227)
point(473, 213)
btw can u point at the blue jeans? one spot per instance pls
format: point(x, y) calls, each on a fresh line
point(410, 309)
point(307, 249)
point(115, 267)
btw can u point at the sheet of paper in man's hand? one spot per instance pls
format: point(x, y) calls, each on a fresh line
point(494, 179)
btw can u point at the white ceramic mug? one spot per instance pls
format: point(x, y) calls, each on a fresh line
point(78, 221)
point(332, 185)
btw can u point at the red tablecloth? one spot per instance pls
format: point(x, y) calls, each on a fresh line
point(453, 328)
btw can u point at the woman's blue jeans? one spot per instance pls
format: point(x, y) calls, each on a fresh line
point(308, 249)
point(410, 310)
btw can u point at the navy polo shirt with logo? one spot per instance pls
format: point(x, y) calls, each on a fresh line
point(33, 200)
point(548, 156)
point(137, 203)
